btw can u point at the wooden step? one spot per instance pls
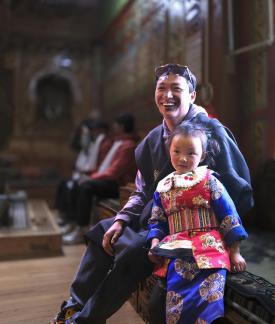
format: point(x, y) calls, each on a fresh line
point(41, 238)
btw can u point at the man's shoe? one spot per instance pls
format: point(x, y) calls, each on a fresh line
point(67, 228)
point(67, 311)
point(61, 218)
point(75, 237)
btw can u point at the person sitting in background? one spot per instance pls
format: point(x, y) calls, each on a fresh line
point(118, 168)
point(94, 143)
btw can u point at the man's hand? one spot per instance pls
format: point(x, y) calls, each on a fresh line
point(111, 236)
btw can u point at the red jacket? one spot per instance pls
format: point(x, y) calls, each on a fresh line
point(123, 166)
point(105, 146)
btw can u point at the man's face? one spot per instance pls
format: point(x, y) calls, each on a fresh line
point(172, 98)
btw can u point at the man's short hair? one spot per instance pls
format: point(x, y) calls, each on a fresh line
point(181, 70)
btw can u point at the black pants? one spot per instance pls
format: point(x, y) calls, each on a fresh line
point(80, 202)
point(65, 197)
point(157, 303)
point(62, 193)
point(103, 283)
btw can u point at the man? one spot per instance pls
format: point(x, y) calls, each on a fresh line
point(115, 260)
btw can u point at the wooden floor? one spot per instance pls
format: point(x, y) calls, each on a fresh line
point(31, 291)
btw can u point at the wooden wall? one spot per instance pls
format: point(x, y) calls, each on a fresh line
point(38, 41)
point(255, 78)
point(148, 34)
point(237, 88)
point(47, 139)
point(143, 36)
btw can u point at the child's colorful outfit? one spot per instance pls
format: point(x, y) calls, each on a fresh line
point(196, 221)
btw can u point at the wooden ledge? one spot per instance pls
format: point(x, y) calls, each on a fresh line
point(41, 238)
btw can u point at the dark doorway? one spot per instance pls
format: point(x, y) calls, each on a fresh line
point(54, 98)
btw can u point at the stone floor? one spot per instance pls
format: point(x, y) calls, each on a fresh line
point(259, 252)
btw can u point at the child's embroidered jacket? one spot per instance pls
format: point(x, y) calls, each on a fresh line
point(193, 215)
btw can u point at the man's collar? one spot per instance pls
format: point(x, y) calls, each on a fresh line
point(192, 112)
point(166, 130)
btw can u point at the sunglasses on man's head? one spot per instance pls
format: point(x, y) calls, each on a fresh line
point(181, 70)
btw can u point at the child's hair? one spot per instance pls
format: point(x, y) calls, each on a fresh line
point(209, 146)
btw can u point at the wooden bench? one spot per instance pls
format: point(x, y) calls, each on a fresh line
point(40, 238)
point(248, 298)
point(106, 208)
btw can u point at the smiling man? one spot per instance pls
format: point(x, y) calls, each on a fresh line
point(115, 259)
point(173, 96)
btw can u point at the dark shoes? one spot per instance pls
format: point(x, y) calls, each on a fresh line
point(75, 237)
point(68, 309)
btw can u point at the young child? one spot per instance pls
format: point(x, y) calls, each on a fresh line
point(194, 230)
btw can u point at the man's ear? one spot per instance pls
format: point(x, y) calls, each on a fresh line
point(193, 96)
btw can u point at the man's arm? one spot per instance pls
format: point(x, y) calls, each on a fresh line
point(136, 202)
point(129, 213)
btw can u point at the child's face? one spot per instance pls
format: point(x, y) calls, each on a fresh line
point(186, 153)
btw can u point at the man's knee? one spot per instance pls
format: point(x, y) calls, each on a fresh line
point(130, 243)
point(95, 233)
point(132, 255)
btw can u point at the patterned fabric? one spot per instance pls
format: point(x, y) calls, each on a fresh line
point(192, 294)
point(228, 223)
point(208, 248)
point(192, 219)
point(202, 206)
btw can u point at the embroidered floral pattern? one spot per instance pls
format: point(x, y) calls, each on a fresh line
point(210, 241)
point(200, 201)
point(157, 215)
point(215, 188)
point(186, 269)
point(174, 305)
point(212, 288)
point(228, 223)
point(204, 262)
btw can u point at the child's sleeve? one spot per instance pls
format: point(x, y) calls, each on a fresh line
point(158, 223)
point(230, 223)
